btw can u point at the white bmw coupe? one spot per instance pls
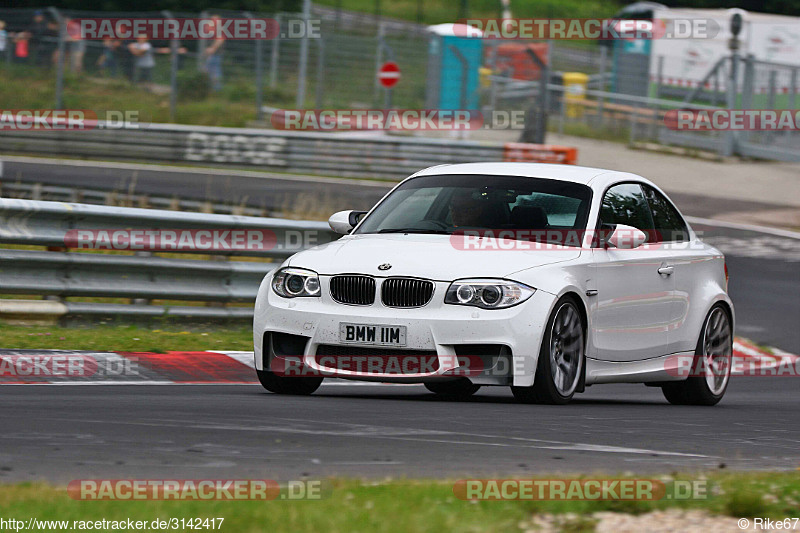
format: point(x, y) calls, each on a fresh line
point(544, 278)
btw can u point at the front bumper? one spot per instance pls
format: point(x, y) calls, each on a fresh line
point(436, 327)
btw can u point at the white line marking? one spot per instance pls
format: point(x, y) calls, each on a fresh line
point(748, 227)
point(381, 432)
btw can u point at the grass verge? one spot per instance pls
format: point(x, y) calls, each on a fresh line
point(111, 337)
point(402, 505)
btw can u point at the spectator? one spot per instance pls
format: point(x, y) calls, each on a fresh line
point(3, 38)
point(21, 47)
point(77, 46)
point(109, 59)
point(213, 63)
point(144, 60)
point(40, 36)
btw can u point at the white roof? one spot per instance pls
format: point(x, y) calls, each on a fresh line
point(572, 173)
point(597, 178)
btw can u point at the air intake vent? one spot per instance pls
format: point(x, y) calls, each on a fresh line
point(353, 290)
point(406, 292)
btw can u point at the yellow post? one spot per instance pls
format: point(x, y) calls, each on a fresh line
point(575, 84)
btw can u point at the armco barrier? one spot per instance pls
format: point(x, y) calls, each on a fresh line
point(58, 272)
point(332, 154)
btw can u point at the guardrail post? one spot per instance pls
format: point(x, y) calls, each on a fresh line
point(536, 119)
point(62, 37)
point(259, 74)
point(659, 76)
point(275, 54)
point(303, 63)
point(729, 145)
point(771, 93)
point(378, 60)
point(600, 102)
point(632, 138)
point(320, 72)
point(462, 100)
point(201, 48)
point(173, 71)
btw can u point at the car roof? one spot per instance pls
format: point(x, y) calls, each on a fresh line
point(573, 173)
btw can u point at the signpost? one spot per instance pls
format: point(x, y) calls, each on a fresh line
point(388, 76)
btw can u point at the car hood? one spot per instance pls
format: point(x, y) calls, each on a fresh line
point(437, 257)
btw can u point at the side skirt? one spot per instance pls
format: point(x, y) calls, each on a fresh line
point(658, 369)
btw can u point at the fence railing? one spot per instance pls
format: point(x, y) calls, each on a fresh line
point(762, 85)
point(211, 282)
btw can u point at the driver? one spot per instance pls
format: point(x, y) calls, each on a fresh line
point(468, 210)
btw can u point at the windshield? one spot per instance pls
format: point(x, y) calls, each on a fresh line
point(452, 203)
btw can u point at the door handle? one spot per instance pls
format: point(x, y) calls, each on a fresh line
point(666, 270)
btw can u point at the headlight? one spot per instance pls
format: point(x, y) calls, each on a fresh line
point(295, 282)
point(487, 293)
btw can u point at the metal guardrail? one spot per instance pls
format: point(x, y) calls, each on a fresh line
point(82, 195)
point(332, 154)
point(141, 277)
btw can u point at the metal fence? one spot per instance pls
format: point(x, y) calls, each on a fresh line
point(337, 68)
point(759, 85)
point(334, 64)
point(212, 279)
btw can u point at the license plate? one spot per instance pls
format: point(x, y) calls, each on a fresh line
point(372, 334)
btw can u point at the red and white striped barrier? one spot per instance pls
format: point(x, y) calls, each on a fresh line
point(64, 367)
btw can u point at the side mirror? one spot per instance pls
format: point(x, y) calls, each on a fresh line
point(344, 221)
point(626, 237)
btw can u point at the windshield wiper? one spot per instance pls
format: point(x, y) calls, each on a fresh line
point(414, 230)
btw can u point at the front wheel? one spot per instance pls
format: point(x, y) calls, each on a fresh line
point(711, 368)
point(297, 386)
point(561, 358)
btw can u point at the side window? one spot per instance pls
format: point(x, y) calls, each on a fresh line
point(625, 204)
point(669, 224)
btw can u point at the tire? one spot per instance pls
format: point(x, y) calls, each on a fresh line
point(560, 366)
point(712, 353)
point(296, 386)
point(456, 389)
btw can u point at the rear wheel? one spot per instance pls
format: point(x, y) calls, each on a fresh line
point(457, 388)
point(298, 386)
point(561, 358)
point(711, 368)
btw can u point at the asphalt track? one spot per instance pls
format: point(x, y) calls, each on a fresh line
point(62, 433)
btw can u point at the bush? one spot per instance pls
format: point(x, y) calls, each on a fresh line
point(193, 86)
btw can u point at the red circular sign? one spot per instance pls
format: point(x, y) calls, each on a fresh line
point(389, 74)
